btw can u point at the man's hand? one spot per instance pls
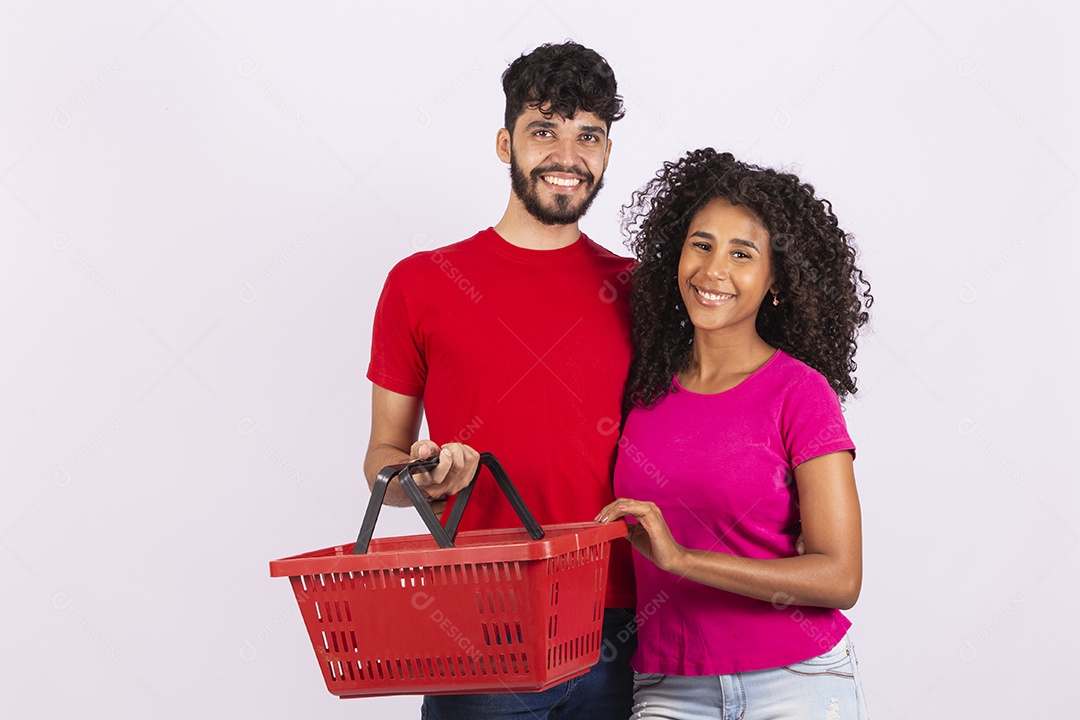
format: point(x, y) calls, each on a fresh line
point(456, 469)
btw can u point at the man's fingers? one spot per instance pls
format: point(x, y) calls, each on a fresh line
point(423, 448)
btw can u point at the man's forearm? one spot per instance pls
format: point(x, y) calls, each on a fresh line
point(378, 457)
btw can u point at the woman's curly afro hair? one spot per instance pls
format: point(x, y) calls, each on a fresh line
point(823, 295)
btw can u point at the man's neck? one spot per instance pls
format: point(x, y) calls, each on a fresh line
point(519, 227)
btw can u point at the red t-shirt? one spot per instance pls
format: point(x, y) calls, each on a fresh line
point(521, 353)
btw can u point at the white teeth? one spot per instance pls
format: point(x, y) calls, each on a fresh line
point(712, 296)
point(563, 182)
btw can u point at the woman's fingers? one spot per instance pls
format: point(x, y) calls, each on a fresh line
point(623, 507)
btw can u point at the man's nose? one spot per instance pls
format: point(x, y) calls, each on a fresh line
point(565, 152)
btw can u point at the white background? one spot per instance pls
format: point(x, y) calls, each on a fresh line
point(198, 205)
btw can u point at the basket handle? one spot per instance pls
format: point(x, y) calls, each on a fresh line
point(444, 536)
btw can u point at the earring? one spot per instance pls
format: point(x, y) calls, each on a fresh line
point(775, 300)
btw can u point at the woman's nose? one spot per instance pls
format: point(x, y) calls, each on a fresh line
point(716, 268)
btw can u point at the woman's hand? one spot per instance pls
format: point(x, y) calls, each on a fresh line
point(650, 534)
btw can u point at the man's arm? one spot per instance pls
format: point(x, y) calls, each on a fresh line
point(395, 425)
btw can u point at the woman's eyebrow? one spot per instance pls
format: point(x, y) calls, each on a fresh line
point(744, 243)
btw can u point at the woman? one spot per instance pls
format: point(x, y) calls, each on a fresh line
point(746, 307)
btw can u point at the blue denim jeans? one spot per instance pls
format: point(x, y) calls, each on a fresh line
point(604, 693)
point(826, 686)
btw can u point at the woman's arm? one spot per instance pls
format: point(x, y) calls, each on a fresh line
point(828, 575)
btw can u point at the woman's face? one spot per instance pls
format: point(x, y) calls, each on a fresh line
point(725, 268)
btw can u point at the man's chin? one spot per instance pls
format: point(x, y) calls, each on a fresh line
point(549, 214)
point(554, 212)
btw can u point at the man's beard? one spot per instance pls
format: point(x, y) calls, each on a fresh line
point(563, 213)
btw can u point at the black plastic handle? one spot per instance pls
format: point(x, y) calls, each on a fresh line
point(444, 535)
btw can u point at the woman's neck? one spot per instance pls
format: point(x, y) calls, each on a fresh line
point(719, 363)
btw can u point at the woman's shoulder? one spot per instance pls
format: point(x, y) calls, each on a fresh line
point(796, 376)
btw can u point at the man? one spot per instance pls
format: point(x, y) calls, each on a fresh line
point(516, 341)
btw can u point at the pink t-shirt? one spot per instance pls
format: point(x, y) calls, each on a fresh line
point(719, 467)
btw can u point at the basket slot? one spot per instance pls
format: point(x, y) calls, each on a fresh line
point(513, 605)
point(555, 593)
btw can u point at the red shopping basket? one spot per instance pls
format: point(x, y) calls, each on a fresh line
point(508, 610)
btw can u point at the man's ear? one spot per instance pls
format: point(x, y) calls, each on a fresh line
point(502, 145)
point(607, 153)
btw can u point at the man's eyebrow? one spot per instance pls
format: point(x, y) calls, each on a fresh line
point(541, 124)
point(594, 129)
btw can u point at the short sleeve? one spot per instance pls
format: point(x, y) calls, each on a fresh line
point(397, 355)
point(812, 422)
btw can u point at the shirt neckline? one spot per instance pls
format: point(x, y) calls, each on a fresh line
point(679, 386)
point(528, 255)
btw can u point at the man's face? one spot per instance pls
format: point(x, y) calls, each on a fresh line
point(557, 165)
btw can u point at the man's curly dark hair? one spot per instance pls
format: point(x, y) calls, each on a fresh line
point(561, 79)
point(823, 295)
